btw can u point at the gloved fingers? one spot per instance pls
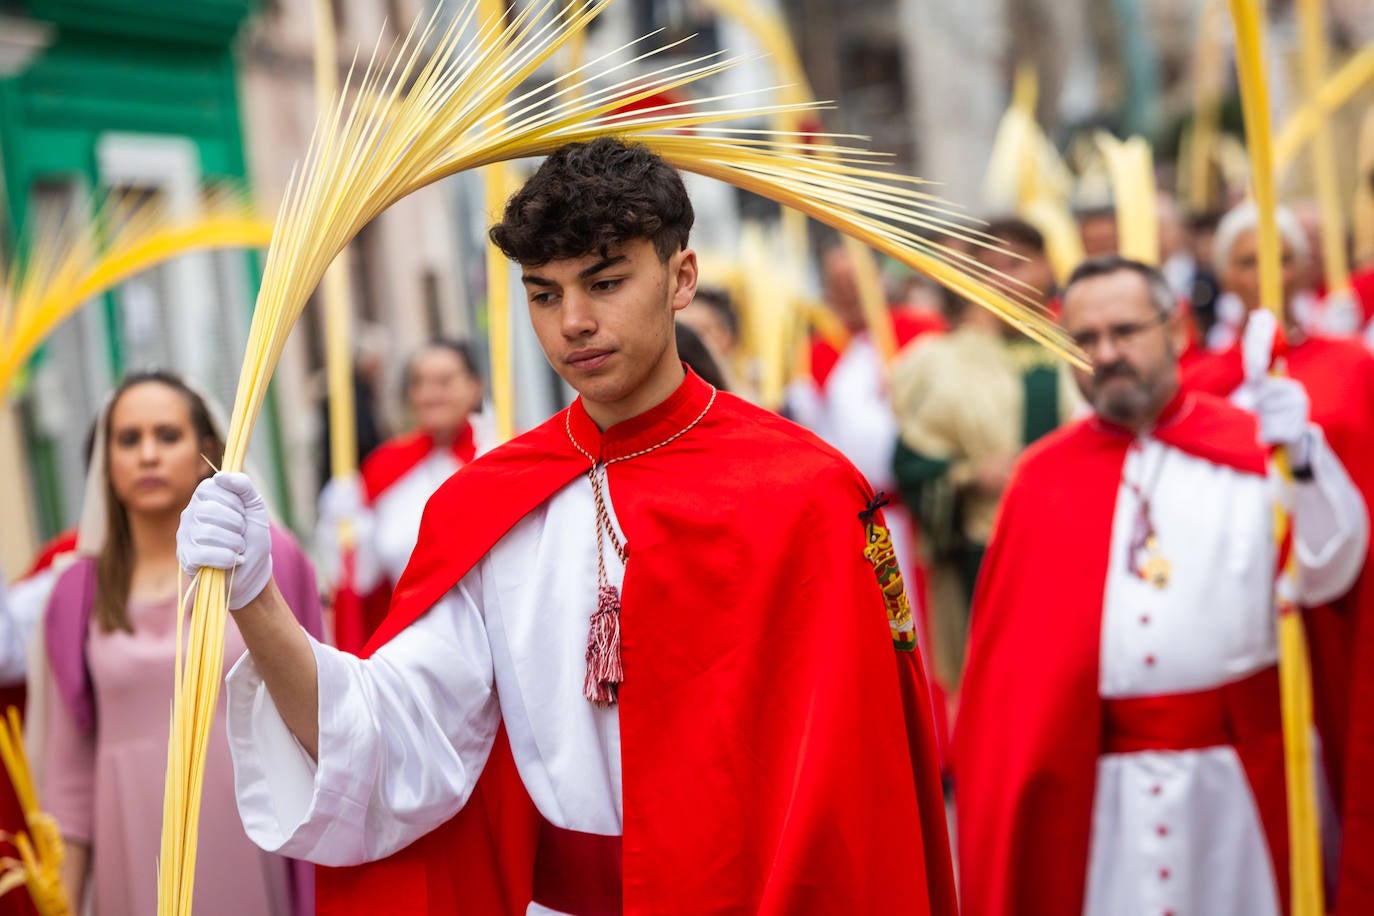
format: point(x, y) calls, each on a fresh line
point(230, 516)
point(1283, 409)
point(218, 538)
point(208, 491)
point(1283, 393)
point(203, 556)
point(222, 508)
point(241, 485)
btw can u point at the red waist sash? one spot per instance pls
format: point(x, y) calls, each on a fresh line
point(1228, 714)
point(578, 873)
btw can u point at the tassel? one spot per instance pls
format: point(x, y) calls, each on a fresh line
point(604, 669)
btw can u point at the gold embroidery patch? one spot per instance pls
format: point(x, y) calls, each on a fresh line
point(883, 558)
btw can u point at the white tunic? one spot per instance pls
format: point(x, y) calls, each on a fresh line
point(1178, 831)
point(21, 611)
point(396, 513)
point(405, 734)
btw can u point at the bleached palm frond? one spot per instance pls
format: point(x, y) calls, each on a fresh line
point(1130, 166)
point(89, 251)
point(39, 866)
point(1295, 666)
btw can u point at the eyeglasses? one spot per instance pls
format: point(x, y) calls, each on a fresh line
point(1118, 334)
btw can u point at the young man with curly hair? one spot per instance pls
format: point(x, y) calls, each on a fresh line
point(642, 659)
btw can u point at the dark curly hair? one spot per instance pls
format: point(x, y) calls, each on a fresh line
point(588, 197)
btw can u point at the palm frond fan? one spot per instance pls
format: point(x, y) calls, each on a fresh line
point(41, 851)
point(460, 105)
point(60, 268)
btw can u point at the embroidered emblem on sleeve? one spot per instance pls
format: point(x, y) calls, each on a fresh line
point(882, 556)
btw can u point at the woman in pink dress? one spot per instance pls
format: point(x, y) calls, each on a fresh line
point(110, 634)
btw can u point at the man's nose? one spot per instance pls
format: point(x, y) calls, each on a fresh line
point(1104, 350)
point(579, 318)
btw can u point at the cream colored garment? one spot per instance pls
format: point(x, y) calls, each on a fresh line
point(961, 398)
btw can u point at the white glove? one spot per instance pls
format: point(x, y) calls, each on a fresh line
point(225, 526)
point(1257, 346)
point(341, 498)
point(1283, 410)
point(1340, 315)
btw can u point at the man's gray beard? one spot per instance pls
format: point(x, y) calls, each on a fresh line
point(1124, 408)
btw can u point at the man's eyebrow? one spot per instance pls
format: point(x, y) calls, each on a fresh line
point(601, 265)
point(536, 280)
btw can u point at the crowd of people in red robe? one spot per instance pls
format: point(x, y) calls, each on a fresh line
point(1092, 555)
point(1020, 607)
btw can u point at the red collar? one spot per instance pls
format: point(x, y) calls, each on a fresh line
point(463, 447)
point(394, 459)
point(645, 431)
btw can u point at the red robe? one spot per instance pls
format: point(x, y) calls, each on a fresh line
point(17, 902)
point(1339, 377)
point(1029, 732)
point(777, 755)
point(357, 616)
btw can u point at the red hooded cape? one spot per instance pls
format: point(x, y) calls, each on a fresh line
point(357, 616)
point(1339, 378)
point(777, 753)
point(1029, 731)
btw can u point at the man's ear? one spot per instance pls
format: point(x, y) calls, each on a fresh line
point(683, 267)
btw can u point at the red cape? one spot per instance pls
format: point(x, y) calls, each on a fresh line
point(357, 616)
point(777, 754)
point(1029, 731)
point(1339, 377)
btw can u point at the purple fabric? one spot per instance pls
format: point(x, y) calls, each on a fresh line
point(73, 601)
point(68, 618)
point(64, 631)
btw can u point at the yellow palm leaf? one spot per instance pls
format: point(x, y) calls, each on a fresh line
point(1339, 88)
point(39, 867)
point(1294, 664)
point(63, 269)
point(1130, 166)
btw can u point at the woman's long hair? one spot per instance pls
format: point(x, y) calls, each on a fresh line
point(114, 565)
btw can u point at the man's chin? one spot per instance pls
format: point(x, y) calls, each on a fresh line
point(594, 387)
point(1118, 401)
